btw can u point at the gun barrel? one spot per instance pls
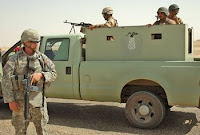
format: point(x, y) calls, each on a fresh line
point(26, 111)
point(72, 23)
point(78, 24)
point(27, 83)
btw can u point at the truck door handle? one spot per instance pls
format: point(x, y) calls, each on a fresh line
point(68, 70)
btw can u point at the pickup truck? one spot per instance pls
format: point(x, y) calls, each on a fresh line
point(149, 68)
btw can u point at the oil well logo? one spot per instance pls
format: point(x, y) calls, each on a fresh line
point(131, 43)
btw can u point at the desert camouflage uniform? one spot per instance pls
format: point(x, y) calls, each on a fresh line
point(178, 21)
point(17, 65)
point(112, 22)
point(168, 21)
point(175, 8)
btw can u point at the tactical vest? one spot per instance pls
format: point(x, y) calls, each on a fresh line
point(36, 64)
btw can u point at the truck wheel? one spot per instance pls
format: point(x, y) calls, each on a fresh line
point(145, 110)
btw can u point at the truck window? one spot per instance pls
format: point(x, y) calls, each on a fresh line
point(57, 49)
point(156, 36)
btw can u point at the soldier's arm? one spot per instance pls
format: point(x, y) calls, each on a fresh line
point(110, 23)
point(105, 25)
point(7, 88)
point(99, 26)
point(49, 75)
point(172, 22)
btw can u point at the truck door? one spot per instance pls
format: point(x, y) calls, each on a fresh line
point(57, 49)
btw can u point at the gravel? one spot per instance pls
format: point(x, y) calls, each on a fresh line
point(77, 117)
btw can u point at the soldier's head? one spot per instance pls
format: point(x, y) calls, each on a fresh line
point(30, 38)
point(173, 9)
point(162, 13)
point(107, 12)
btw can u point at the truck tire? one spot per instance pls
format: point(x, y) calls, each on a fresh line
point(145, 110)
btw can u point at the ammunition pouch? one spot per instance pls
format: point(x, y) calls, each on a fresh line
point(17, 82)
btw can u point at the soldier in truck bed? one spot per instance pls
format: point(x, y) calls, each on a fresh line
point(107, 14)
point(173, 11)
point(163, 17)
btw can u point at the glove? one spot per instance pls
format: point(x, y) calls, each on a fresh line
point(14, 106)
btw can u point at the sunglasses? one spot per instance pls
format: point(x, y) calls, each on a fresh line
point(176, 10)
point(34, 42)
point(104, 14)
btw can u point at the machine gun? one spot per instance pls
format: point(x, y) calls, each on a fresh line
point(82, 24)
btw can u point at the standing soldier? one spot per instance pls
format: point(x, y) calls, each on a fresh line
point(163, 17)
point(173, 11)
point(42, 71)
point(107, 14)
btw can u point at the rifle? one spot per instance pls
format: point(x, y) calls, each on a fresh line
point(28, 88)
point(157, 17)
point(83, 24)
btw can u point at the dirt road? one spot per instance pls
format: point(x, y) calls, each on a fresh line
point(72, 117)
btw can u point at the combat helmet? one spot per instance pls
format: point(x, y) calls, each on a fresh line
point(173, 7)
point(164, 10)
point(30, 35)
point(107, 10)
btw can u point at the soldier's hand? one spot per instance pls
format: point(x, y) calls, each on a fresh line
point(91, 27)
point(176, 19)
point(35, 77)
point(149, 25)
point(14, 106)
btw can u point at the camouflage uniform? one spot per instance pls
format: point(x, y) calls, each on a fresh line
point(174, 9)
point(177, 20)
point(107, 14)
point(110, 23)
point(17, 65)
point(168, 21)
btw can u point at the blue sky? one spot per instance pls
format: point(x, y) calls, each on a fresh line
point(47, 16)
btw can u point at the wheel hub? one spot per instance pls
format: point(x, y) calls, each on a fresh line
point(144, 110)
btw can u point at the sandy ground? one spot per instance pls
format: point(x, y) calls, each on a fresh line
point(75, 117)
